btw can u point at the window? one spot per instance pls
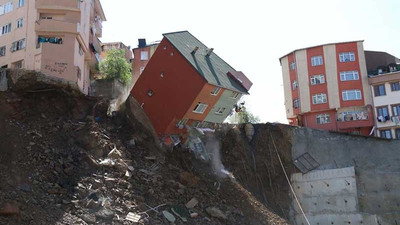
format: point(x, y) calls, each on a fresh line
point(18, 45)
point(295, 85)
point(349, 95)
point(20, 23)
point(349, 75)
point(319, 99)
point(296, 103)
point(396, 110)
point(395, 86)
point(141, 70)
point(323, 118)
point(347, 57)
point(235, 94)
point(317, 79)
point(6, 8)
point(317, 60)
point(78, 74)
point(379, 90)
point(182, 123)
point(3, 51)
point(215, 91)
point(17, 65)
point(80, 50)
point(220, 110)
point(292, 65)
point(5, 29)
point(196, 124)
point(382, 111)
point(398, 134)
point(200, 108)
point(205, 124)
point(386, 134)
point(21, 3)
point(46, 17)
point(144, 55)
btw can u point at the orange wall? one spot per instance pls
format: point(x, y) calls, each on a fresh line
point(174, 93)
point(316, 70)
point(349, 66)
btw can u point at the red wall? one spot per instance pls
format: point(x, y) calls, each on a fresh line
point(316, 70)
point(310, 120)
point(349, 66)
point(137, 62)
point(174, 93)
point(293, 77)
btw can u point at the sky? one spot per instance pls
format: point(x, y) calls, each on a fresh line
point(252, 35)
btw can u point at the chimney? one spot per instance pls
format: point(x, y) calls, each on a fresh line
point(195, 50)
point(209, 51)
point(142, 43)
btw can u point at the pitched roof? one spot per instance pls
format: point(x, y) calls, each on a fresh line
point(212, 68)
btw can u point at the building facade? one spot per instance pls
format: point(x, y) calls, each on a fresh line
point(116, 45)
point(386, 98)
point(326, 87)
point(56, 37)
point(142, 55)
point(186, 84)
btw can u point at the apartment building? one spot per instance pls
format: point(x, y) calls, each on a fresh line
point(186, 84)
point(326, 87)
point(117, 45)
point(56, 37)
point(142, 55)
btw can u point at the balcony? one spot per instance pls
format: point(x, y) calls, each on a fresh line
point(55, 26)
point(60, 5)
point(355, 117)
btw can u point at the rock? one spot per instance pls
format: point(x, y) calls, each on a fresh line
point(128, 174)
point(188, 179)
point(88, 218)
point(115, 154)
point(91, 204)
point(169, 216)
point(133, 217)
point(215, 212)
point(105, 214)
point(69, 170)
point(25, 187)
point(10, 209)
point(192, 203)
point(131, 143)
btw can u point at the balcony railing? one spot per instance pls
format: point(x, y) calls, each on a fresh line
point(50, 25)
point(352, 116)
point(60, 5)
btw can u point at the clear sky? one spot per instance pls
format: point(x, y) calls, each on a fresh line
point(252, 35)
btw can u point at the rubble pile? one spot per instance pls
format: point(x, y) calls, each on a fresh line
point(62, 162)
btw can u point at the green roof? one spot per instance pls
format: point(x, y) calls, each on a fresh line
point(212, 68)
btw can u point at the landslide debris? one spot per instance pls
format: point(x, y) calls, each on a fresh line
point(64, 162)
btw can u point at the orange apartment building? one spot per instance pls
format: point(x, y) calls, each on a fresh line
point(326, 87)
point(142, 55)
point(56, 37)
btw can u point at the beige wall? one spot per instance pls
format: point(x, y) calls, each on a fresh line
point(391, 98)
point(71, 22)
point(287, 87)
point(364, 74)
point(302, 77)
point(331, 76)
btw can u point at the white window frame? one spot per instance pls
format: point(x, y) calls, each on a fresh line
point(317, 60)
point(144, 55)
point(220, 110)
point(182, 123)
point(319, 99)
point(5, 29)
point(323, 118)
point(3, 50)
point(295, 85)
point(235, 94)
point(296, 103)
point(347, 57)
point(200, 108)
point(292, 65)
point(196, 124)
point(19, 23)
point(215, 91)
point(317, 79)
point(8, 7)
point(18, 45)
point(349, 75)
point(356, 93)
point(21, 3)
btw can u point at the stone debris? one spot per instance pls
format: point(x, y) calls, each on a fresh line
point(133, 217)
point(10, 209)
point(192, 203)
point(171, 218)
point(215, 212)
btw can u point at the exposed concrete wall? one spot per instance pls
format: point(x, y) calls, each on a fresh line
point(376, 163)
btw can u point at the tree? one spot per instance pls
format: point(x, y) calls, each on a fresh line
point(246, 116)
point(115, 66)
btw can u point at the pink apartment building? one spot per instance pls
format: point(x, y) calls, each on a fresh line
point(56, 37)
